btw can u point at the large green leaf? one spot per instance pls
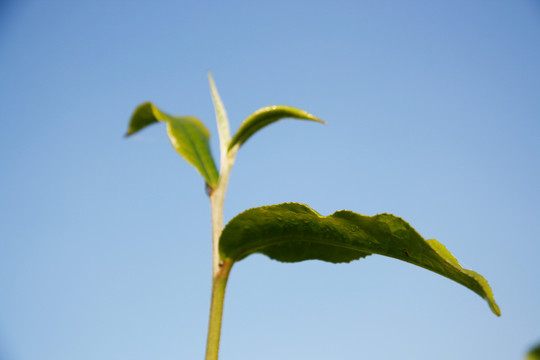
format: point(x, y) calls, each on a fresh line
point(293, 232)
point(188, 136)
point(266, 116)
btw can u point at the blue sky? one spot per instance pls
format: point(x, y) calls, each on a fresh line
point(433, 114)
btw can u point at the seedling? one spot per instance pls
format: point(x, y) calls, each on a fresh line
point(289, 232)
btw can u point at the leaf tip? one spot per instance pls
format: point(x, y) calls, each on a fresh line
point(210, 78)
point(320, 120)
point(495, 308)
point(129, 132)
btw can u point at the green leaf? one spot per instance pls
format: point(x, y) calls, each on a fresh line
point(188, 136)
point(293, 232)
point(534, 354)
point(221, 117)
point(266, 116)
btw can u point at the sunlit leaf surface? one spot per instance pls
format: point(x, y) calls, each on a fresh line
point(293, 232)
point(266, 116)
point(188, 135)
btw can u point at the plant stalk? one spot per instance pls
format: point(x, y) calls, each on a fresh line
point(220, 267)
point(217, 198)
point(216, 309)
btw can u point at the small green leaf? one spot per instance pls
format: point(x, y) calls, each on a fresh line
point(221, 117)
point(188, 136)
point(266, 116)
point(293, 232)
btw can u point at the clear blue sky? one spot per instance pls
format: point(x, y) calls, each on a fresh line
point(433, 111)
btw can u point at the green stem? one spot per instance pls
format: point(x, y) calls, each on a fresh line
point(217, 198)
point(220, 267)
point(216, 309)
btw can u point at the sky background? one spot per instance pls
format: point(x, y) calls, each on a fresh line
point(433, 111)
